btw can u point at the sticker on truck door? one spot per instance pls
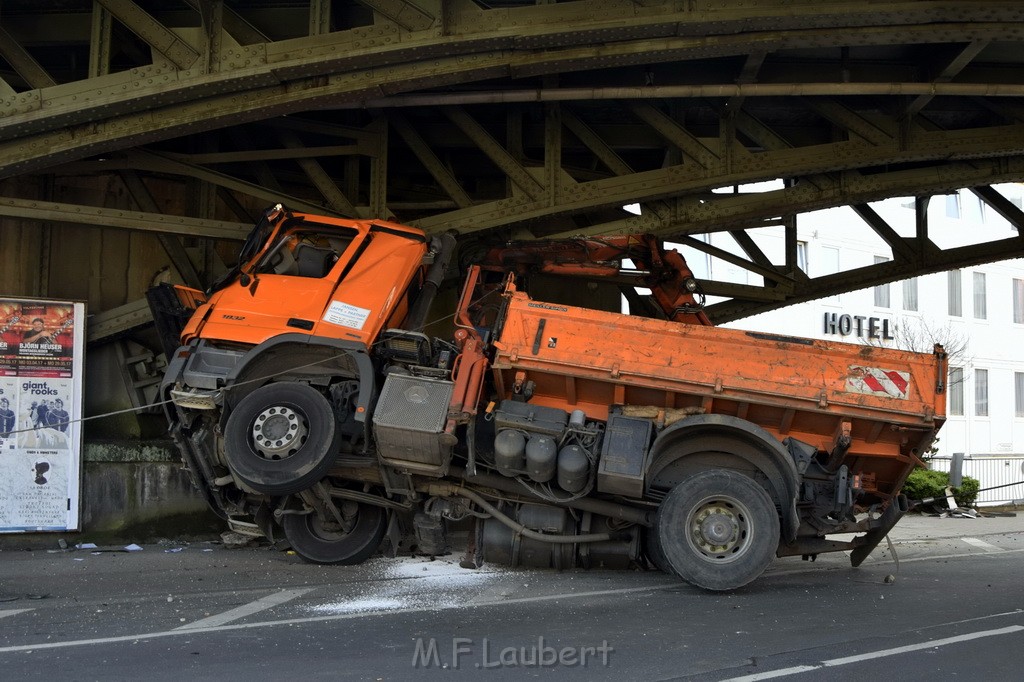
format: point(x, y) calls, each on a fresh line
point(876, 381)
point(346, 315)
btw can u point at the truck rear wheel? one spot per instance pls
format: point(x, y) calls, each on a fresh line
point(653, 551)
point(321, 543)
point(718, 530)
point(281, 438)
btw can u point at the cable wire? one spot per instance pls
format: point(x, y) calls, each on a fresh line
point(225, 389)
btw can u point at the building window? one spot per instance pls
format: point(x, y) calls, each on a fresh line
point(882, 290)
point(1018, 386)
point(1018, 301)
point(956, 391)
point(981, 392)
point(953, 205)
point(956, 308)
point(801, 255)
point(980, 306)
point(910, 294)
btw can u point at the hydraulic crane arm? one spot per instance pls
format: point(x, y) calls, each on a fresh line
point(673, 287)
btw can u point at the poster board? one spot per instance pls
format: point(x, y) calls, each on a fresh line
point(42, 346)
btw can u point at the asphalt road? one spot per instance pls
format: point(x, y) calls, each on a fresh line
point(203, 612)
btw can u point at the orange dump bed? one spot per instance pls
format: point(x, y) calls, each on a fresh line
point(584, 359)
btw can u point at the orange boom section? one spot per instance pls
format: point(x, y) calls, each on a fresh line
point(889, 402)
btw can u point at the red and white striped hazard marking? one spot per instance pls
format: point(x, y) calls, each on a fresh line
point(875, 381)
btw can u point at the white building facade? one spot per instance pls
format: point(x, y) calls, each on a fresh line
point(977, 313)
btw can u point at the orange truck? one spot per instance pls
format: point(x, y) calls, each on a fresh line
point(306, 398)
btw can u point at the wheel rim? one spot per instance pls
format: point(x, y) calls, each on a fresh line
point(718, 529)
point(278, 432)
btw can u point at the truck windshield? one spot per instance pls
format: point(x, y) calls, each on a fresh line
point(305, 252)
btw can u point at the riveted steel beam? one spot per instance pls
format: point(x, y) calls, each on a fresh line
point(263, 100)
point(748, 74)
point(752, 250)
point(831, 82)
point(769, 298)
point(1001, 205)
point(851, 121)
point(900, 249)
point(495, 152)
point(319, 177)
point(110, 324)
point(405, 13)
point(319, 17)
point(441, 174)
point(99, 41)
point(796, 162)
point(172, 245)
point(769, 272)
point(379, 171)
point(300, 151)
point(260, 169)
point(607, 156)
point(235, 24)
point(23, 63)
point(212, 14)
point(598, 147)
point(690, 146)
point(166, 42)
point(553, 151)
point(937, 260)
point(128, 220)
point(955, 66)
point(154, 161)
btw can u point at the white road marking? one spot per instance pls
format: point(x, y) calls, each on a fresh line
point(12, 612)
point(981, 544)
point(244, 610)
point(322, 619)
point(871, 655)
point(772, 674)
point(206, 627)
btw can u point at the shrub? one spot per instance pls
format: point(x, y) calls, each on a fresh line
point(930, 483)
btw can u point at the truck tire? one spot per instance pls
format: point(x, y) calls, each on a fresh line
point(654, 553)
point(281, 438)
point(320, 545)
point(718, 529)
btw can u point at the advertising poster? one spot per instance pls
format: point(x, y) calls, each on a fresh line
point(41, 359)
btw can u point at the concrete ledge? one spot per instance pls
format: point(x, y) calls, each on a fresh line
point(132, 491)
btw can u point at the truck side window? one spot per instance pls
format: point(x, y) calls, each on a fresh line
point(304, 253)
point(314, 261)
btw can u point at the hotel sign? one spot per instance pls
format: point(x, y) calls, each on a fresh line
point(858, 325)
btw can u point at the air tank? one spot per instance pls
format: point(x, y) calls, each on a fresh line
point(509, 452)
point(573, 468)
point(541, 455)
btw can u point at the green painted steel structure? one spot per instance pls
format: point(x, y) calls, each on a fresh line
point(515, 118)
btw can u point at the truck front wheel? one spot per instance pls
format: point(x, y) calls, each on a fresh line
point(320, 542)
point(718, 530)
point(281, 438)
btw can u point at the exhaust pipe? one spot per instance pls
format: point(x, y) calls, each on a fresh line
point(443, 247)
